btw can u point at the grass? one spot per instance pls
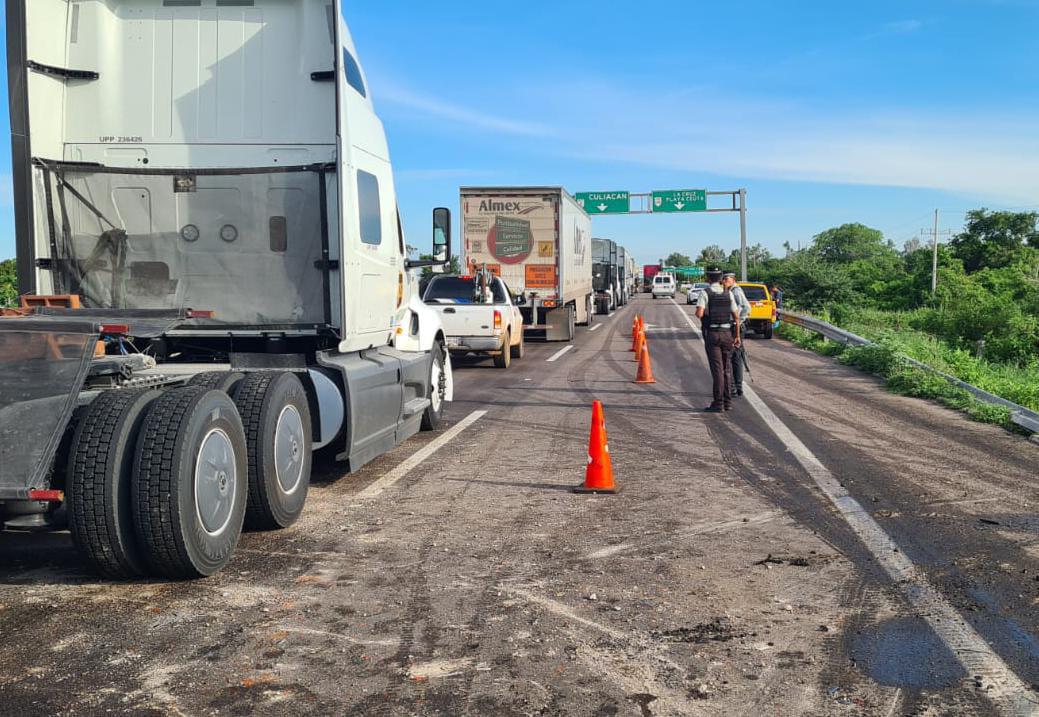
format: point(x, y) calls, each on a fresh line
point(885, 358)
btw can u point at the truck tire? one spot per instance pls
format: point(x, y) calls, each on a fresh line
point(767, 331)
point(190, 462)
point(99, 477)
point(434, 412)
point(226, 381)
point(521, 348)
point(503, 358)
point(276, 417)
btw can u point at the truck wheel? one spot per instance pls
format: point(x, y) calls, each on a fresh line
point(572, 326)
point(519, 349)
point(276, 416)
point(767, 332)
point(190, 482)
point(504, 357)
point(438, 390)
point(226, 381)
point(99, 477)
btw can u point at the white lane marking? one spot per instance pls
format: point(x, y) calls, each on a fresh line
point(559, 354)
point(419, 456)
point(595, 328)
point(1008, 692)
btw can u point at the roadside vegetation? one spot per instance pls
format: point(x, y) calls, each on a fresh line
point(8, 283)
point(981, 324)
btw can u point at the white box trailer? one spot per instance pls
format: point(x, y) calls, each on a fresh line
point(538, 239)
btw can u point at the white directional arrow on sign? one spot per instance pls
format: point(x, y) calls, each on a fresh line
point(679, 205)
point(602, 207)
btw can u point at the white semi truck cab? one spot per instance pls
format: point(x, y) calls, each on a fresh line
point(205, 190)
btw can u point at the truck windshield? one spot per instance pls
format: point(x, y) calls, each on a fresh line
point(245, 244)
point(755, 293)
point(461, 290)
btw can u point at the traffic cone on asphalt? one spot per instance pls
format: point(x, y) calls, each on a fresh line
point(635, 340)
point(640, 344)
point(635, 326)
point(645, 372)
point(598, 476)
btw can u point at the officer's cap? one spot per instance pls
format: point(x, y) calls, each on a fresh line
point(727, 274)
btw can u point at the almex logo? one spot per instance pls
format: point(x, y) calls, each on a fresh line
point(488, 205)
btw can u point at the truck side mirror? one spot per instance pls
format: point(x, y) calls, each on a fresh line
point(442, 235)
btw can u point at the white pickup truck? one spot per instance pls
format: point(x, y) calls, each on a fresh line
point(477, 316)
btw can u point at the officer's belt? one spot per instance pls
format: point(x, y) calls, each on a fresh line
point(719, 326)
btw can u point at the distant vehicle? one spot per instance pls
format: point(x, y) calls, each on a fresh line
point(478, 316)
point(606, 275)
point(648, 272)
point(664, 285)
point(763, 312)
point(693, 295)
point(539, 241)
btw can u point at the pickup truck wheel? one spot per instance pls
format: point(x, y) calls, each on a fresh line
point(503, 358)
point(519, 349)
point(190, 482)
point(767, 332)
point(438, 390)
point(276, 417)
point(226, 381)
point(99, 478)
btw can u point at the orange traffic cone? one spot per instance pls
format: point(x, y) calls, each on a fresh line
point(634, 326)
point(598, 476)
point(640, 344)
point(635, 340)
point(645, 372)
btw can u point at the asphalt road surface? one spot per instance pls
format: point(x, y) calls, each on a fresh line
point(824, 549)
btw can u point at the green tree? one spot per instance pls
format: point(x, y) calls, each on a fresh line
point(677, 259)
point(8, 283)
point(994, 239)
point(711, 254)
point(850, 242)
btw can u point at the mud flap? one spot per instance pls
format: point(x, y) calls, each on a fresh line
point(43, 362)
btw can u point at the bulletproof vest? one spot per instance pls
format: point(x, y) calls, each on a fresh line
point(719, 307)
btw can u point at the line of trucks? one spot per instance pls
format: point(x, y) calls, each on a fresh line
point(531, 268)
point(216, 277)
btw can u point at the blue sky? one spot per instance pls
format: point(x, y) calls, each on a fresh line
point(826, 112)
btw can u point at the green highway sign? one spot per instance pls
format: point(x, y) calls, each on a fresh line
point(680, 200)
point(604, 202)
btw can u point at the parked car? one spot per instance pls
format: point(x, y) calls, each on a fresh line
point(664, 285)
point(478, 316)
point(763, 313)
point(693, 294)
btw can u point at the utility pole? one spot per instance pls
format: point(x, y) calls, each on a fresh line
point(934, 249)
point(743, 235)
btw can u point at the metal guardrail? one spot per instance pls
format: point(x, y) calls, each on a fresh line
point(1023, 417)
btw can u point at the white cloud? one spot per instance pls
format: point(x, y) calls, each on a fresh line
point(431, 107)
point(445, 173)
point(903, 27)
point(987, 155)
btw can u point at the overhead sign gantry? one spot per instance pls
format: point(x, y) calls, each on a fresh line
point(669, 201)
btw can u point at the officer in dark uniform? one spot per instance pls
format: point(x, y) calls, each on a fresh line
point(719, 316)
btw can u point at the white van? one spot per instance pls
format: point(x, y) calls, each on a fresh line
point(663, 285)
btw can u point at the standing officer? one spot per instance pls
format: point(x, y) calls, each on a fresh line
point(719, 317)
point(729, 282)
